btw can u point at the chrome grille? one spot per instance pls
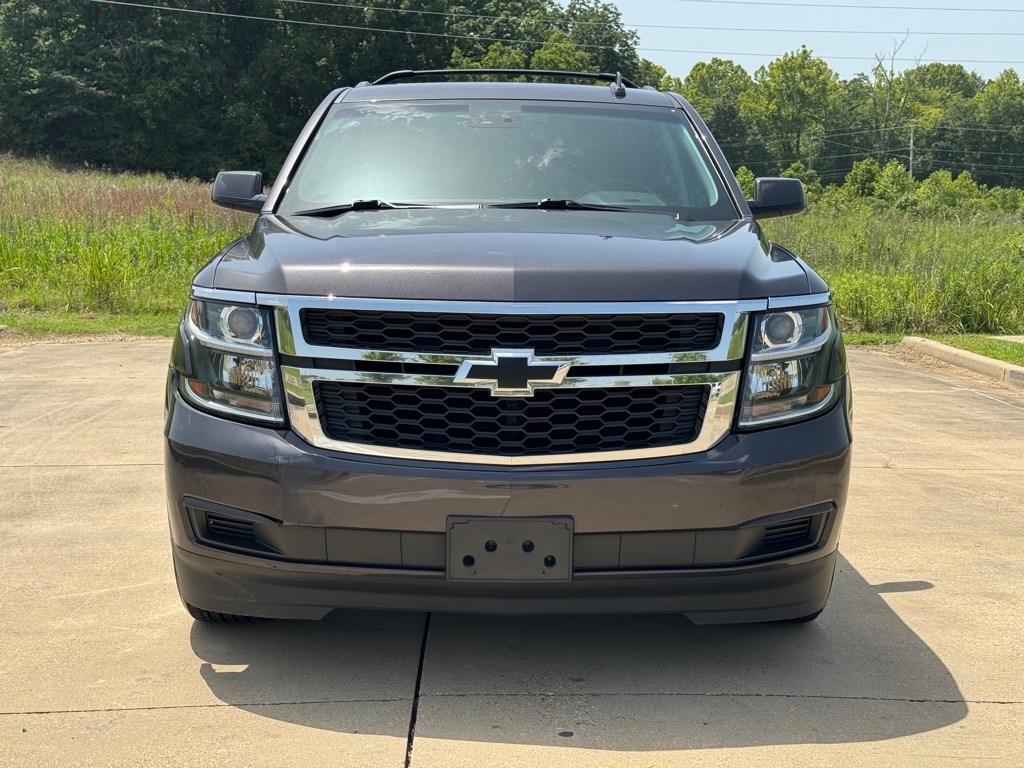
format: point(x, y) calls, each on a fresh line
point(552, 422)
point(476, 334)
point(427, 380)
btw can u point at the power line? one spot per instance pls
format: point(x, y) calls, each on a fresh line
point(353, 27)
point(934, 150)
point(791, 160)
point(685, 27)
point(448, 14)
point(845, 146)
point(826, 57)
point(949, 33)
point(996, 129)
point(823, 136)
point(860, 6)
point(452, 36)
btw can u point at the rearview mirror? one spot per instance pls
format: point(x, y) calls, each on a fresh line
point(774, 196)
point(239, 190)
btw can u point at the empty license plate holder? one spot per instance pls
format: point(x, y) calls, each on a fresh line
point(509, 549)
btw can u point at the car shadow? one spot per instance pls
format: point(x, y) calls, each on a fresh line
point(635, 682)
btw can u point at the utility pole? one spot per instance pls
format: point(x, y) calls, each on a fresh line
point(911, 151)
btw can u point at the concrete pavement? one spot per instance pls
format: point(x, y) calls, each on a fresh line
point(918, 660)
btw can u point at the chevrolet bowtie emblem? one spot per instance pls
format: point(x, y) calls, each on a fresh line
point(512, 372)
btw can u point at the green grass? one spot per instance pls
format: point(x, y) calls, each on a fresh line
point(85, 252)
point(901, 273)
point(997, 349)
point(37, 324)
point(75, 242)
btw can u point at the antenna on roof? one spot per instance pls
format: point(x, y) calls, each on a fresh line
point(618, 87)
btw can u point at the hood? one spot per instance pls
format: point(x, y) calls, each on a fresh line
point(507, 256)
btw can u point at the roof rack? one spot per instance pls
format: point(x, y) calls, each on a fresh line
point(408, 74)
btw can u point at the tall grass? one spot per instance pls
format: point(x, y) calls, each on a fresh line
point(89, 242)
point(85, 241)
point(903, 273)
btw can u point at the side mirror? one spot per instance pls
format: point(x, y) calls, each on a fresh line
point(239, 190)
point(777, 197)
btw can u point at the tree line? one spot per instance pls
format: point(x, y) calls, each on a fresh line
point(193, 87)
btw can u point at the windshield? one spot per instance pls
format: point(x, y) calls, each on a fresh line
point(499, 152)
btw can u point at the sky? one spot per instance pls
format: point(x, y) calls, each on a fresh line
point(986, 38)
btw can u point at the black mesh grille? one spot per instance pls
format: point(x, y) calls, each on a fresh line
point(552, 422)
point(451, 333)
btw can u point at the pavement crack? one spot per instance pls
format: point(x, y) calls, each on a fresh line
point(959, 470)
point(726, 694)
point(78, 466)
point(413, 717)
point(219, 705)
point(413, 713)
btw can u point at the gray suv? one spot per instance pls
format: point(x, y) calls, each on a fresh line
point(515, 345)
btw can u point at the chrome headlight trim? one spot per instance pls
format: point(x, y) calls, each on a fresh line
point(230, 377)
point(797, 372)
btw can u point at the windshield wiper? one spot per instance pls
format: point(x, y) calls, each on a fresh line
point(552, 204)
point(358, 205)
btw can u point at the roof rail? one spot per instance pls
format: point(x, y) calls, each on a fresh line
point(409, 74)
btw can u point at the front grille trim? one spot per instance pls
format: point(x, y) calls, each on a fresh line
point(730, 347)
point(467, 334)
point(554, 423)
point(722, 395)
point(303, 365)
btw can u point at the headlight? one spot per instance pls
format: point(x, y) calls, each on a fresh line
point(233, 370)
point(788, 375)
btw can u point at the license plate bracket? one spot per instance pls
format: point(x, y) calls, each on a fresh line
point(509, 549)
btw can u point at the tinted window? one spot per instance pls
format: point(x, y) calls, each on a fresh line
point(481, 152)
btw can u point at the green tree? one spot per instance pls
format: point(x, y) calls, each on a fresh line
point(889, 101)
point(983, 134)
point(789, 100)
point(596, 27)
point(585, 35)
point(937, 82)
point(498, 56)
point(47, 85)
point(860, 182)
point(894, 185)
point(522, 25)
point(109, 84)
point(846, 134)
point(716, 90)
point(649, 73)
point(559, 52)
point(996, 147)
point(940, 193)
point(810, 178)
point(745, 178)
point(187, 93)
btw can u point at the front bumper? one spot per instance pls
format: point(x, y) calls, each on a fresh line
point(783, 590)
point(677, 534)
